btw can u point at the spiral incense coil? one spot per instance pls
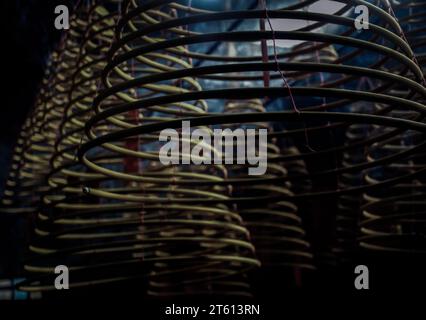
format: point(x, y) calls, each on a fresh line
point(35, 146)
point(412, 17)
point(85, 84)
point(349, 214)
point(159, 41)
point(276, 229)
point(379, 217)
point(389, 224)
point(344, 114)
point(395, 224)
point(30, 159)
point(346, 73)
point(151, 241)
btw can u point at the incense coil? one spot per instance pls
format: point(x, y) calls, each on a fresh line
point(84, 85)
point(155, 177)
point(412, 16)
point(340, 70)
point(395, 225)
point(382, 229)
point(35, 146)
point(154, 78)
point(390, 222)
point(377, 94)
point(59, 234)
point(276, 228)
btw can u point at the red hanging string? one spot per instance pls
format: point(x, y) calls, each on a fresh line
point(293, 102)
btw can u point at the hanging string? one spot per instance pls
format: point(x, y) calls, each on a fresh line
point(283, 77)
point(265, 58)
point(263, 4)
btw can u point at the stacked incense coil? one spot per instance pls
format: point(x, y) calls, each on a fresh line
point(411, 15)
point(349, 212)
point(192, 248)
point(67, 174)
point(30, 167)
point(115, 214)
point(65, 232)
point(393, 219)
point(276, 228)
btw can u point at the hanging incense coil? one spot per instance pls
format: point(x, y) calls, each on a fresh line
point(390, 222)
point(135, 235)
point(276, 228)
point(214, 74)
point(114, 213)
point(34, 147)
point(412, 16)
